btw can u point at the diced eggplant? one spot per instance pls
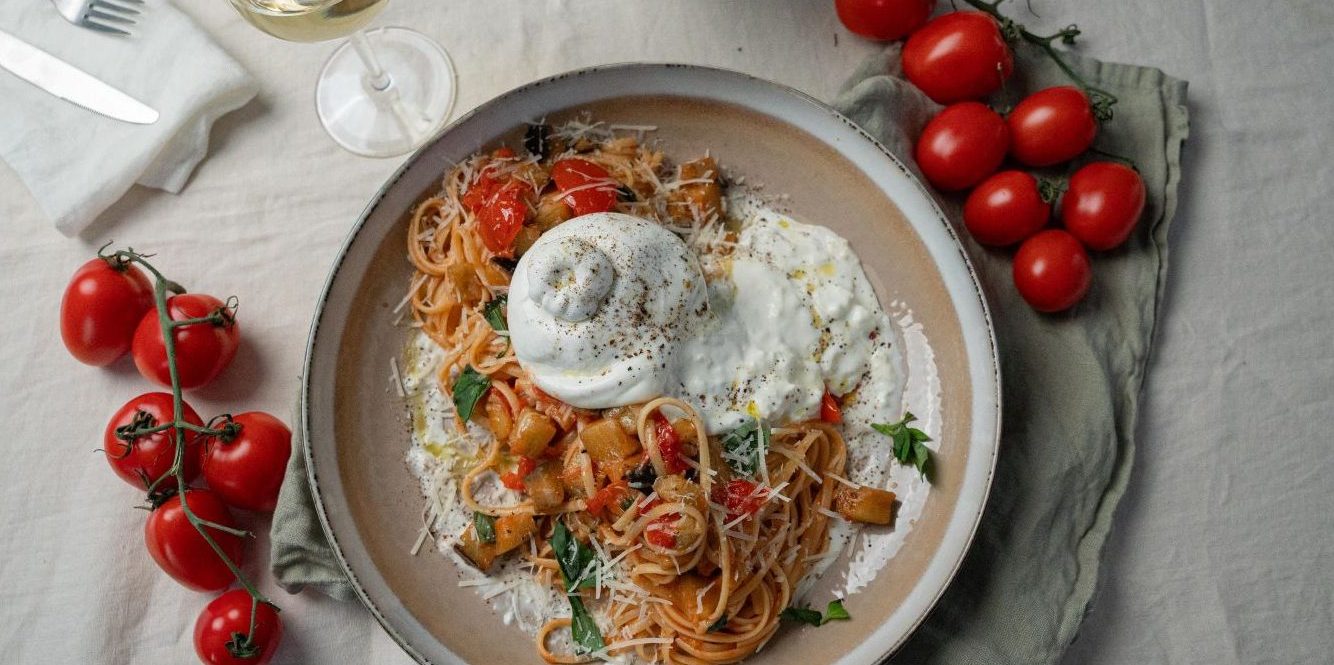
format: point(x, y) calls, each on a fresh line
point(605, 441)
point(513, 531)
point(531, 434)
point(865, 504)
point(479, 554)
point(545, 488)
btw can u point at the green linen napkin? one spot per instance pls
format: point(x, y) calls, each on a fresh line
point(1071, 390)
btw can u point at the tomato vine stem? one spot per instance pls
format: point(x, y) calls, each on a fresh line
point(1101, 100)
point(241, 646)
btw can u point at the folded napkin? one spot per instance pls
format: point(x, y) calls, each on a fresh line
point(1071, 384)
point(77, 163)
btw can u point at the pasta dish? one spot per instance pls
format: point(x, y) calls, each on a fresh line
point(636, 392)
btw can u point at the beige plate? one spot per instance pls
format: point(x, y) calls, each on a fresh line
point(836, 175)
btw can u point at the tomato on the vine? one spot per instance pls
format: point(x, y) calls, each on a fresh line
point(147, 458)
point(246, 469)
point(101, 307)
point(591, 189)
point(182, 552)
point(223, 635)
point(958, 56)
point(1052, 271)
point(885, 20)
point(962, 145)
point(1006, 208)
point(1052, 126)
point(1103, 203)
point(203, 349)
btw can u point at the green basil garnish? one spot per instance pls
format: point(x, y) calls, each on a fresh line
point(468, 390)
point(485, 526)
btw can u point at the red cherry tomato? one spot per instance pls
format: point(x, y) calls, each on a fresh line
point(607, 495)
point(247, 470)
point(228, 616)
point(957, 57)
point(962, 145)
point(501, 219)
point(740, 497)
point(662, 531)
point(1052, 126)
point(885, 20)
point(485, 184)
point(514, 479)
point(148, 458)
point(1052, 271)
point(1005, 209)
point(830, 411)
point(1103, 204)
point(182, 552)
point(594, 188)
point(203, 350)
point(669, 444)
point(101, 307)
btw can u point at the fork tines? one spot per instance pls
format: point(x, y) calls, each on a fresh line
point(105, 15)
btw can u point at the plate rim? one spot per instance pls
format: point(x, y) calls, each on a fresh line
point(991, 373)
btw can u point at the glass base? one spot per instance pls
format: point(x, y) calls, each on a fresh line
point(400, 112)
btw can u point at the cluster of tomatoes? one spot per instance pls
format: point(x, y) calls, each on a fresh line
point(109, 310)
point(958, 59)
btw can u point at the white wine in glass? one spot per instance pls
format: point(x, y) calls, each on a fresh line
point(381, 94)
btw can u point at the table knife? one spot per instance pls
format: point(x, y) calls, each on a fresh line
point(69, 82)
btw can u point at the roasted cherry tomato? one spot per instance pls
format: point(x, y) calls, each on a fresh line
point(102, 305)
point(1103, 203)
point(958, 56)
point(962, 145)
point(669, 444)
point(203, 350)
point(147, 458)
point(246, 467)
point(590, 188)
point(830, 411)
point(885, 20)
point(662, 531)
point(740, 497)
point(1052, 271)
point(223, 635)
point(501, 219)
point(1005, 209)
point(182, 552)
point(607, 496)
point(485, 184)
point(1052, 126)
point(514, 479)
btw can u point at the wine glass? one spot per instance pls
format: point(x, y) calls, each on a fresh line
point(383, 92)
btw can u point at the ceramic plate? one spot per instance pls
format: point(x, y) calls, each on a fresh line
point(833, 174)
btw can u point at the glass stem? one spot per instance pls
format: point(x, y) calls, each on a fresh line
point(376, 77)
point(378, 82)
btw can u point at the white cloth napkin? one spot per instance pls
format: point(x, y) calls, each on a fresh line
point(77, 163)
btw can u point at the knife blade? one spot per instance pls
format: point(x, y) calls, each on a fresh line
point(70, 83)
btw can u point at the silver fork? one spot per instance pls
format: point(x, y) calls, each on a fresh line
point(113, 16)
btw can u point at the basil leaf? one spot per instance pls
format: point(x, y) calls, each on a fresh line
point(584, 630)
point(718, 625)
point(573, 558)
point(494, 313)
point(468, 390)
point(744, 447)
point(485, 526)
point(909, 443)
point(802, 614)
point(836, 612)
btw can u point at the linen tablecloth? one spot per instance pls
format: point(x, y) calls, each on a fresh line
point(1220, 553)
